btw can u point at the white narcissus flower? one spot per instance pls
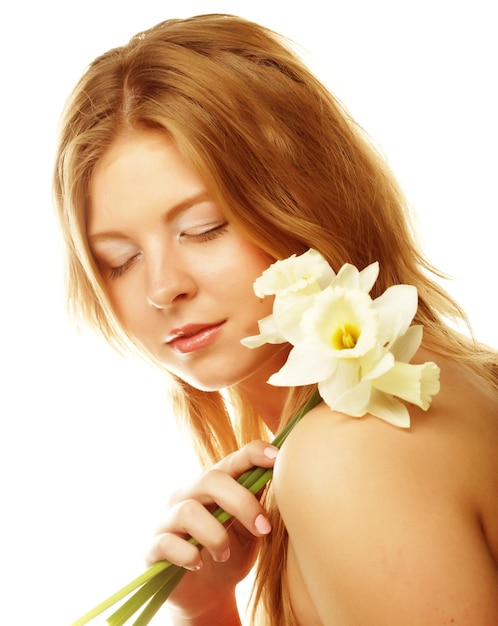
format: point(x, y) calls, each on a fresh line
point(344, 348)
point(341, 324)
point(291, 281)
point(295, 282)
point(355, 348)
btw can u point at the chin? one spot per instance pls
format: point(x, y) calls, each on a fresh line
point(201, 385)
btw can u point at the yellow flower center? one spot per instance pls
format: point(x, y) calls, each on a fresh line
point(345, 337)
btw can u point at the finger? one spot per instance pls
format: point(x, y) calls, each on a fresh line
point(218, 488)
point(232, 497)
point(256, 453)
point(190, 519)
point(170, 547)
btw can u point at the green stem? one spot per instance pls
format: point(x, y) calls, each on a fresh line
point(143, 595)
point(159, 599)
point(149, 574)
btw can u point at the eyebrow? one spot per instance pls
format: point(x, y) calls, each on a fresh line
point(171, 214)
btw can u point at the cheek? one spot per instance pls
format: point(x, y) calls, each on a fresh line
point(235, 266)
point(252, 261)
point(131, 312)
point(254, 308)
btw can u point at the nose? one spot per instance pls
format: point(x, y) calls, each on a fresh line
point(169, 282)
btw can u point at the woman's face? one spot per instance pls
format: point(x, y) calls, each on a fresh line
point(178, 274)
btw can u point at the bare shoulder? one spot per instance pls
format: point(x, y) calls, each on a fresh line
point(403, 518)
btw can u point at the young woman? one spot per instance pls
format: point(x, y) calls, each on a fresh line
point(190, 160)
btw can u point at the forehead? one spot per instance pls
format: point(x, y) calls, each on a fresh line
point(141, 169)
point(133, 155)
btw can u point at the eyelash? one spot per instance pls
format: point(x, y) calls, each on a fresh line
point(208, 235)
point(116, 272)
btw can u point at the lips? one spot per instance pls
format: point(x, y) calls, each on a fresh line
point(193, 337)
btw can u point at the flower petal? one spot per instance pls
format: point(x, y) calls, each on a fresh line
point(348, 277)
point(375, 363)
point(368, 276)
point(255, 341)
point(405, 346)
point(304, 366)
point(288, 312)
point(413, 383)
point(396, 307)
point(268, 334)
point(389, 409)
point(353, 401)
point(308, 272)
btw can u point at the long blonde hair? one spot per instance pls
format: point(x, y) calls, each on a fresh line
point(289, 168)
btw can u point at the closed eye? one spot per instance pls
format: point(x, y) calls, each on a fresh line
point(116, 272)
point(207, 235)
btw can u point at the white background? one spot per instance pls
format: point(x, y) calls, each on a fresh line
point(88, 451)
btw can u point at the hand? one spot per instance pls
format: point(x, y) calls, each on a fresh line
point(229, 550)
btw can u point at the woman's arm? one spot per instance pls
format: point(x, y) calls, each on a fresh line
point(381, 523)
point(224, 613)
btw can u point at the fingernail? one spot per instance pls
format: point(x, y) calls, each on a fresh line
point(271, 453)
point(262, 524)
point(225, 556)
point(194, 568)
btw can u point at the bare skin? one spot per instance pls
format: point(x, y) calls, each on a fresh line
point(395, 527)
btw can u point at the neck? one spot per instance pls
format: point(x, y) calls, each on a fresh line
point(267, 400)
point(268, 406)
